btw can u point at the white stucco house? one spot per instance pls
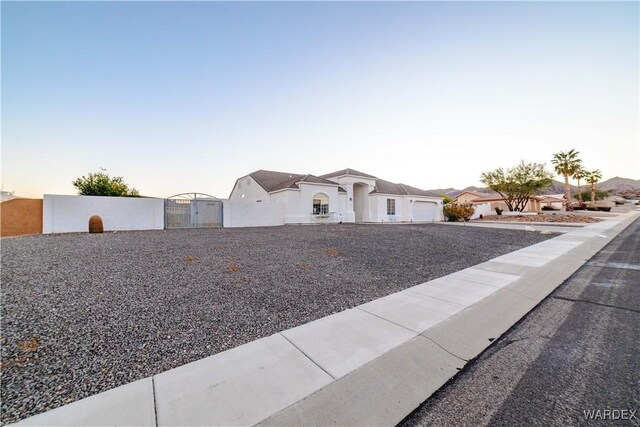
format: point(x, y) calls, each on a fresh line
point(342, 196)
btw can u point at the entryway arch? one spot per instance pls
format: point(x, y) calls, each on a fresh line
point(361, 201)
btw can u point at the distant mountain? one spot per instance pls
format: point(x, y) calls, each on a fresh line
point(619, 184)
point(557, 187)
point(624, 187)
point(454, 193)
point(480, 189)
point(447, 191)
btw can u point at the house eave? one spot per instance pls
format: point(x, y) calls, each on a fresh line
point(283, 189)
point(318, 183)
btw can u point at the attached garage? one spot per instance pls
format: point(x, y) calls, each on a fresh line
point(424, 211)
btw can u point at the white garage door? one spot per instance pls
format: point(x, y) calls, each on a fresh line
point(424, 211)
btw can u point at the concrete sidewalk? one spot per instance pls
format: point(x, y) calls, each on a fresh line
point(372, 364)
point(571, 360)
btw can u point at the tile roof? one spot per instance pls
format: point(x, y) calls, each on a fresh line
point(551, 197)
point(475, 193)
point(273, 181)
point(489, 197)
point(386, 187)
point(494, 196)
point(347, 172)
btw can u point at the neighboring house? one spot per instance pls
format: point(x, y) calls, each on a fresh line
point(555, 201)
point(497, 201)
point(615, 199)
point(468, 197)
point(342, 196)
point(6, 195)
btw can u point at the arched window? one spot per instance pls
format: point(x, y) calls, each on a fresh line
point(320, 204)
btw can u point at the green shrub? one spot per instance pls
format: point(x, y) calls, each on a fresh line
point(586, 195)
point(101, 184)
point(446, 199)
point(455, 212)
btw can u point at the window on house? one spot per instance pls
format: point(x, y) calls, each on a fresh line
point(320, 204)
point(391, 206)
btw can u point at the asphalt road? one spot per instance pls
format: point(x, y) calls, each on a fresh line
point(573, 360)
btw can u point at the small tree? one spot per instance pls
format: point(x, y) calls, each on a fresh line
point(518, 184)
point(101, 184)
point(455, 212)
point(592, 178)
point(566, 164)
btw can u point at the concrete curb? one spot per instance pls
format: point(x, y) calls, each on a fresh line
point(370, 365)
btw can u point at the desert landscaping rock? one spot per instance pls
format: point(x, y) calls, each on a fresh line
point(557, 217)
point(83, 313)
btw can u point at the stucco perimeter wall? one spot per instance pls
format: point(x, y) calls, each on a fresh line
point(531, 206)
point(252, 214)
point(20, 216)
point(66, 214)
point(482, 209)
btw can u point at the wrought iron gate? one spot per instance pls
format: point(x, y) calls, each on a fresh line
point(192, 210)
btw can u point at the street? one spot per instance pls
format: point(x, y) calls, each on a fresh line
point(573, 360)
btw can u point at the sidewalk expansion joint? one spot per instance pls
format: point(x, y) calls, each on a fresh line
point(597, 303)
point(307, 356)
point(415, 332)
point(387, 320)
point(155, 405)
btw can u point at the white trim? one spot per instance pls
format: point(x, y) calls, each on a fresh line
point(317, 183)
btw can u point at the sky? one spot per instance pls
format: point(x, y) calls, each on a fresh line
point(189, 96)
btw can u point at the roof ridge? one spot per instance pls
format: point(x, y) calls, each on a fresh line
point(348, 171)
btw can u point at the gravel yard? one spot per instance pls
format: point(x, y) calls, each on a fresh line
point(85, 313)
point(554, 217)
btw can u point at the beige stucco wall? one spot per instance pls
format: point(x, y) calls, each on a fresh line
point(20, 216)
point(466, 198)
point(531, 206)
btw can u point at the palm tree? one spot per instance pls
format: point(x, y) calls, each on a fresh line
point(566, 164)
point(579, 174)
point(592, 178)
